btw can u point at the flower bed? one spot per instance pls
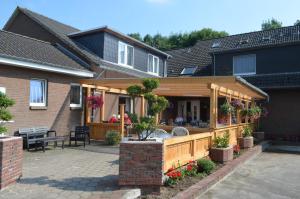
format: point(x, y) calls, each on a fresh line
point(188, 175)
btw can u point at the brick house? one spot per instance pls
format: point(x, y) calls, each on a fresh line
point(267, 59)
point(42, 61)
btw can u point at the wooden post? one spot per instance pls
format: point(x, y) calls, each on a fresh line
point(102, 111)
point(213, 109)
point(247, 108)
point(156, 119)
point(122, 123)
point(230, 115)
point(142, 106)
point(88, 111)
point(238, 114)
point(252, 105)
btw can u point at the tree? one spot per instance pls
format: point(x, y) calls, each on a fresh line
point(156, 104)
point(136, 36)
point(5, 115)
point(180, 40)
point(297, 23)
point(271, 24)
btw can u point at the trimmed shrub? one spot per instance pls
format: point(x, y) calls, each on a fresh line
point(206, 166)
point(112, 137)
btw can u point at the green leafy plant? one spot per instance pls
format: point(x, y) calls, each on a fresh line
point(206, 166)
point(5, 115)
point(226, 108)
point(222, 141)
point(112, 137)
point(156, 104)
point(247, 132)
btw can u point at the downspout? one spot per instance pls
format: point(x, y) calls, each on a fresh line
point(214, 65)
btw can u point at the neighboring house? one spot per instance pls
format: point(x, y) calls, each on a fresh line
point(43, 60)
point(44, 82)
point(109, 53)
point(268, 59)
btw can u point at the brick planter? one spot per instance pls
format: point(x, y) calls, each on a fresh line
point(11, 157)
point(246, 142)
point(141, 165)
point(221, 154)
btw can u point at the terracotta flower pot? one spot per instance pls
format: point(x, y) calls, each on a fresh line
point(246, 142)
point(221, 154)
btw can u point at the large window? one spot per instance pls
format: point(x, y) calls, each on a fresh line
point(76, 95)
point(244, 65)
point(38, 92)
point(153, 64)
point(125, 56)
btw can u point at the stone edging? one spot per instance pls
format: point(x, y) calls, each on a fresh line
point(219, 175)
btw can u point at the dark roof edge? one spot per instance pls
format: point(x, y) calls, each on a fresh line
point(117, 33)
point(243, 81)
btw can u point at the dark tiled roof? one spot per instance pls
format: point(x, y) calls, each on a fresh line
point(62, 31)
point(200, 53)
point(33, 50)
point(275, 81)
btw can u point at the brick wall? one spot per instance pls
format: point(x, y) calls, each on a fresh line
point(11, 157)
point(58, 114)
point(141, 165)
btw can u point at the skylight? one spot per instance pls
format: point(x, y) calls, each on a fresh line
point(266, 38)
point(216, 44)
point(244, 41)
point(189, 70)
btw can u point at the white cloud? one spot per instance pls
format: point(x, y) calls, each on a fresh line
point(158, 1)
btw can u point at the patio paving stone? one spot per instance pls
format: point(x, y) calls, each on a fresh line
point(74, 172)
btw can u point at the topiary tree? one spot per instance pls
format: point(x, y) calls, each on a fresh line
point(156, 104)
point(5, 115)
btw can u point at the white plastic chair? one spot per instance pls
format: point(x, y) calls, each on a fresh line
point(180, 131)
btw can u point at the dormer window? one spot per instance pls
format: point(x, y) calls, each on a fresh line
point(153, 64)
point(125, 54)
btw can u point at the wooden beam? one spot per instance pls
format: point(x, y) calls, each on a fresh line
point(102, 110)
point(213, 110)
point(87, 109)
point(230, 114)
point(142, 106)
point(122, 122)
point(247, 107)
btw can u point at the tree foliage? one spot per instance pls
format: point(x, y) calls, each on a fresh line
point(297, 23)
point(5, 115)
point(156, 104)
point(271, 24)
point(179, 40)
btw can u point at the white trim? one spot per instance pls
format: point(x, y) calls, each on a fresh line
point(44, 104)
point(44, 67)
point(125, 54)
point(2, 89)
point(153, 57)
point(247, 73)
point(80, 102)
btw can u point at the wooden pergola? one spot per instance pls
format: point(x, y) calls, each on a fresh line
point(213, 86)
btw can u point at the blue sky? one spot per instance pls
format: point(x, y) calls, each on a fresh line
point(161, 16)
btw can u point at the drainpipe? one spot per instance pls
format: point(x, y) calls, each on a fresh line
point(214, 64)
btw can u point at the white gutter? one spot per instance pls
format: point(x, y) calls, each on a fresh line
point(45, 67)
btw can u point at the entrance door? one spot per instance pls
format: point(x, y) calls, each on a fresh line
point(195, 110)
point(182, 109)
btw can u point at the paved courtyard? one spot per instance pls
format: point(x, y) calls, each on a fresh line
point(68, 173)
point(270, 175)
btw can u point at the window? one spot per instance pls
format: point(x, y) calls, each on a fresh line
point(244, 65)
point(125, 56)
point(189, 70)
point(76, 95)
point(153, 64)
point(38, 92)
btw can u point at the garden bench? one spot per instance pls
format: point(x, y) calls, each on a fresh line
point(43, 142)
point(31, 134)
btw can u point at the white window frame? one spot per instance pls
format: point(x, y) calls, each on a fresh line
point(233, 65)
point(44, 104)
point(80, 100)
point(148, 67)
point(125, 55)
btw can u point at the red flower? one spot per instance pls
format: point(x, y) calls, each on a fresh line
point(191, 161)
point(178, 174)
point(236, 148)
point(189, 167)
point(170, 169)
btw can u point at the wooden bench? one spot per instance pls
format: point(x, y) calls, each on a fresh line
point(43, 142)
point(31, 134)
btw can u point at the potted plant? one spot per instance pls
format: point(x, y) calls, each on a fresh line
point(246, 141)
point(221, 150)
point(225, 110)
point(11, 148)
